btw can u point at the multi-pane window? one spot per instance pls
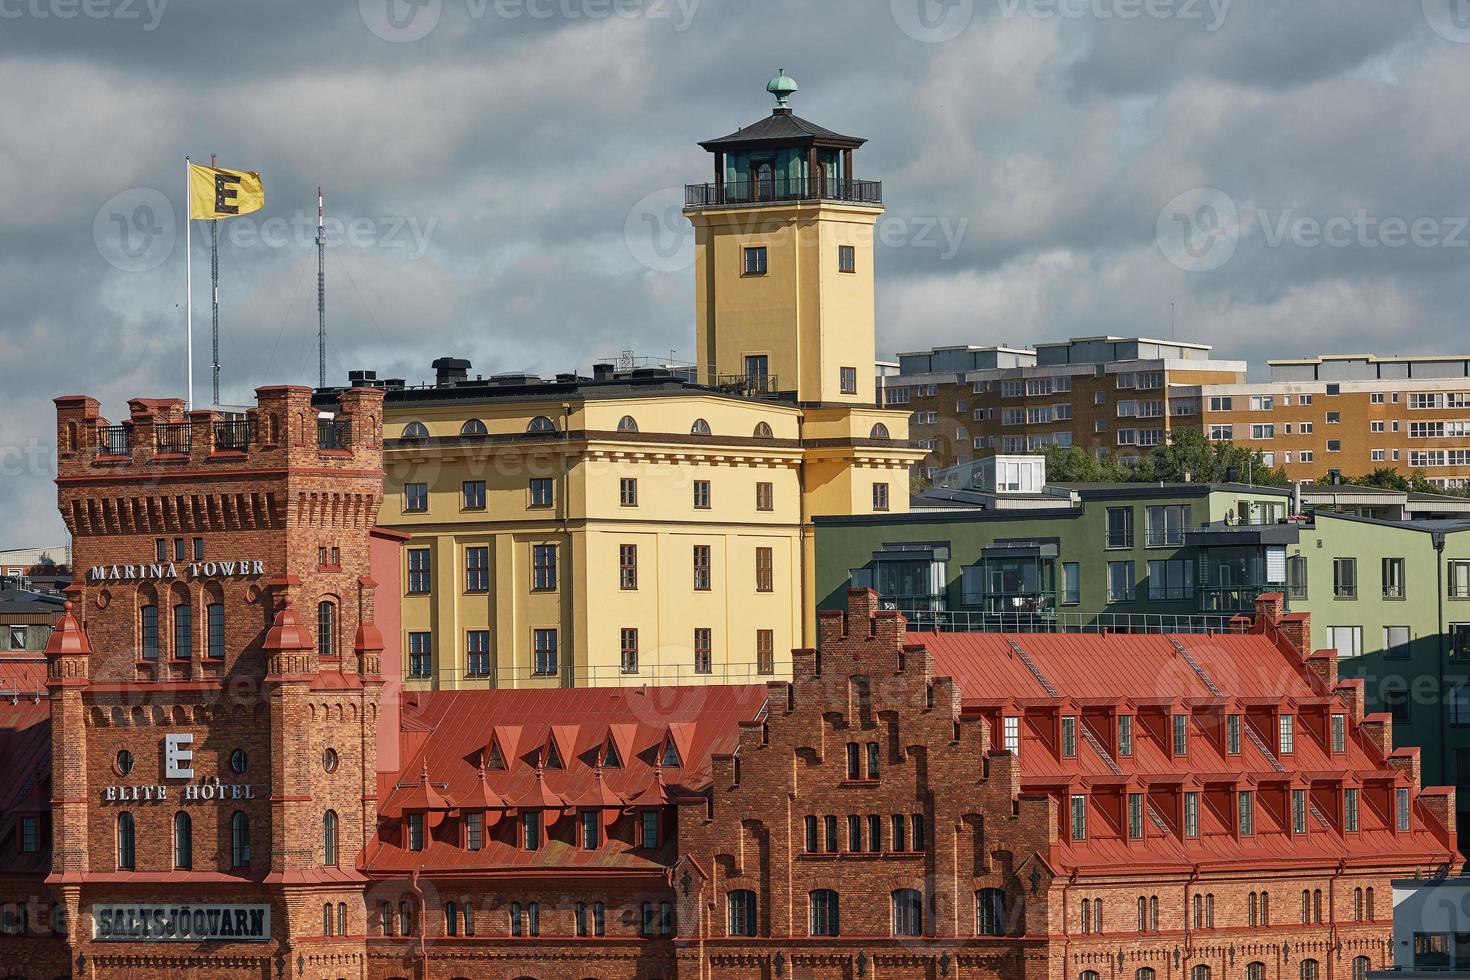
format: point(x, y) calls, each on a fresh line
point(1125, 735)
point(701, 495)
point(754, 261)
point(765, 651)
point(1339, 733)
point(825, 915)
point(545, 652)
point(764, 570)
point(702, 573)
point(1299, 811)
point(628, 650)
point(1393, 578)
point(1191, 814)
point(420, 654)
point(846, 258)
point(1286, 734)
point(628, 491)
point(1011, 728)
point(477, 569)
point(415, 497)
point(648, 829)
point(531, 830)
point(183, 632)
point(415, 831)
point(847, 379)
point(1079, 817)
point(420, 577)
point(1350, 810)
point(1121, 584)
point(1171, 579)
point(872, 760)
point(591, 832)
point(1069, 736)
point(1120, 527)
point(1345, 578)
point(215, 625)
point(908, 912)
point(474, 831)
point(1401, 809)
point(703, 650)
point(1135, 816)
point(543, 567)
point(1180, 728)
point(543, 491)
point(1166, 524)
point(742, 912)
point(1232, 734)
point(880, 496)
point(1247, 812)
point(765, 497)
point(813, 841)
point(990, 912)
point(148, 624)
point(326, 629)
point(477, 653)
point(627, 567)
point(473, 492)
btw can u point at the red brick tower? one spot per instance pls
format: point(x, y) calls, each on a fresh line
point(214, 699)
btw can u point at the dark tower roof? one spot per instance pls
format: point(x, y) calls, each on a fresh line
point(781, 128)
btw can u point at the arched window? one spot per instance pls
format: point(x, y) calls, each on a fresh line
point(742, 912)
point(1369, 895)
point(1361, 965)
point(1358, 904)
point(990, 912)
point(326, 628)
point(405, 919)
point(1255, 971)
point(127, 853)
point(1306, 905)
point(415, 432)
point(327, 919)
point(469, 918)
point(1317, 906)
point(451, 919)
point(1153, 913)
point(1200, 972)
point(699, 428)
point(341, 918)
point(1144, 973)
point(627, 424)
point(1097, 920)
point(763, 430)
point(1210, 911)
point(908, 912)
point(541, 424)
point(1266, 908)
point(183, 631)
point(385, 915)
point(473, 427)
point(1252, 910)
point(826, 919)
point(329, 838)
point(1310, 970)
point(1142, 914)
point(1199, 911)
point(183, 841)
point(1086, 915)
point(880, 431)
point(148, 628)
point(240, 840)
point(1088, 975)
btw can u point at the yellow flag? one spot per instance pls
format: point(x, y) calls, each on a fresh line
point(215, 192)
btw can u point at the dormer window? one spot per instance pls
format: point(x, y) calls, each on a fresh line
point(1135, 816)
point(1298, 811)
point(670, 755)
point(1191, 814)
point(495, 760)
point(1079, 817)
point(1011, 733)
point(1069, 737)
point(1181, 734)
point(553, 757)
point(610, 757)
point(1401, 810)
point(415, 831)
point(1232, 735)
point(1350, 810)
point(1247, 813)
point(1286, 732)
point(1339, 734)
point(1125, 735)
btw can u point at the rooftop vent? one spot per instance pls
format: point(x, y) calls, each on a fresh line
point(602, 372)
point(450, 370)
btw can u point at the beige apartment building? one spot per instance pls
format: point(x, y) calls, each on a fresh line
point(1104, 394)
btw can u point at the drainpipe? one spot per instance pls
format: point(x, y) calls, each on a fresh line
point(566, 530)
point(1188, 920)
point(1332, 916)
point(1438, 537)
point(1066, 923)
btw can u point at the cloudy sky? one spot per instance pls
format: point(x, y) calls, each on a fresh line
point(1289, 174)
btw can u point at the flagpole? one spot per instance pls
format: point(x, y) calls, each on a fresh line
point(188, 287)
point(214, 292)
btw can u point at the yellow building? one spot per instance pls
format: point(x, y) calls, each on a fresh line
point(652, 526)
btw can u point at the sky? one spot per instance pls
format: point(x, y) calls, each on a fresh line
point(1279, 178)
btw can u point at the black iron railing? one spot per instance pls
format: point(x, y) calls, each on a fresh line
point(232, 436)
point(748, 384)
point(775, 189)
point(333, 433)
point(114, 440)
point(172, 438)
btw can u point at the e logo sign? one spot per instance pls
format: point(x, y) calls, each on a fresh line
point(177, 757)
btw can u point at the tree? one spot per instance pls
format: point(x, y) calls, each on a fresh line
point(1188, 457)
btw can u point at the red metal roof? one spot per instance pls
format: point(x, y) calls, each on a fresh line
point(25, 758)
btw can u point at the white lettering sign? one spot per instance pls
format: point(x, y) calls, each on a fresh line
point(176, 757)
point(181, 923)
point(163, 570)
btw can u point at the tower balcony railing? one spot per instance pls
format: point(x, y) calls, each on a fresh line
point(743, 193)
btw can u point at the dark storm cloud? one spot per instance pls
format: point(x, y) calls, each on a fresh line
point(505, 178)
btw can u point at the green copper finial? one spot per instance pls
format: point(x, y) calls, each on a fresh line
point(781, 87)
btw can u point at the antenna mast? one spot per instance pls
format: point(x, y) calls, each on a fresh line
point(321, 292)
point(214, 291)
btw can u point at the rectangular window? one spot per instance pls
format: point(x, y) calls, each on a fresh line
point(1350, 810)
point(179, 550)
point(703, 650)
point(1459, 579)
point(1339, 733)
point(415, 831)
point(1286, 734)
point(543, 567)
point(215, 614)
point(198, 549)
point(1125, 735)
point(590, 829)
point(420, 654)
point(148, 617)
point(1232, 735)
point(1393, 578)
point(1120, 527)
point(543, 492)
point(1079, 817)
point(531, 830)
point(880, 496)
point(1069, 737)
point(875, 833)
point(1191, 814)
point(628, 650)
point(1299, 811)
point(813, 840)
point(1135, 816)
point(1333, 446)
point(474, 494)
point(702, 574)
point(1121, 584)
point(1071, 583)
point(160, 549)
point(755, 261)
point(847, 378)
point(183, 632)
point(474, 831)
point(1396, 641)
point(648, 827)
point(1345, 578)
point(765, 497)
point(544, 643)
point(1011, 727)
point(1222, 433)
point(1346, 640)
point(765, 577)
point(1180, 727)
point(627, 567)
point(765, 652)
point(1171, 580)
point(701, 495)
point(1401, 809)
point(1166, 524)
point(1263, 431)
point(628, 491)
point(477, 653)
point(420, 576)
point(415, 498)
point(477, 569)
point(829, 827)
point(1247, 813)
point(846, 258)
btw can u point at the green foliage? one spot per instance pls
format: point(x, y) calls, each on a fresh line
point(1388, 478)
point(1189, 456)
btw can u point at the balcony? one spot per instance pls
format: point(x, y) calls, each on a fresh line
point(334, 434)
point(172, 438)
point(748, 385)
point(231, 436)
point(1229, 599)
point(746, 193)
point(114, 440)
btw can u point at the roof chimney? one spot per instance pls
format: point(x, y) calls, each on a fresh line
point(602, 372)
point(450, 370)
